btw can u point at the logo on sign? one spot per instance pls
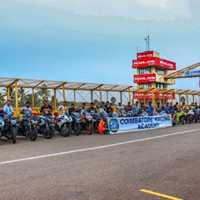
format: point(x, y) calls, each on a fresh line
point(114, 125)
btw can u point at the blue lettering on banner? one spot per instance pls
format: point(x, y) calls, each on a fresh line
point(127, 124)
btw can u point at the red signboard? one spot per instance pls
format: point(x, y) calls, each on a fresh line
point(160, 96)
point(147, 62)
point(145, 78)
point(146, 54)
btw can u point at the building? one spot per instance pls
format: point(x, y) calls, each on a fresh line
point(151, 72)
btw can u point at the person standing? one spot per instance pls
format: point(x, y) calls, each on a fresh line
point(150, 109)
point(63, 108)
point(8, 109)
point(136, 109)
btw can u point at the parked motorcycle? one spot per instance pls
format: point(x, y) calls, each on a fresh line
point(96, 121)
point(189, 115)
point(28, 128)
point(64, 125)
point(46, 126)
point(180, 116)
point(87, 122)
point(9, 128)
point(76, 123)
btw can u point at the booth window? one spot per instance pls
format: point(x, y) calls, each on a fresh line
point(160, 72)
point(145, 71)
point(160, 85)
point(145, 86)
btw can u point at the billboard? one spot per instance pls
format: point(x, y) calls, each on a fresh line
point(147, 62)
point(146, 54)
point(149, 95)
point(145, 78)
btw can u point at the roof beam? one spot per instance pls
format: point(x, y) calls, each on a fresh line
point(13, 82)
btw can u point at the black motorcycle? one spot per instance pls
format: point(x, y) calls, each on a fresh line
point(46, 126)
point(28, 128)
point(9, 128)
point(76, 123)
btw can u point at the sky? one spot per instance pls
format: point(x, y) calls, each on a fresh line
point(93, 40)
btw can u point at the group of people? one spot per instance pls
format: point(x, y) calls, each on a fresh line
point(107, 107)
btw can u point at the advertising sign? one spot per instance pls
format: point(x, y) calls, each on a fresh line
point(144, 78)
point(129, 124)
point(192, 72)
point(146, 54)
point(147, 62)
point(160, 96)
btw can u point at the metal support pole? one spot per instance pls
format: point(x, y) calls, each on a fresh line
point(8, 93)
point(129, 96)
point(74, 96)
point(16, 99)
point(121, 97)
point(100, 91)
point(179, 98)
point(33, 98)
point(107, 94)
point(193, 100)
point(187, 99)
point(92, 96)
point(54, 100)
point(64, 96)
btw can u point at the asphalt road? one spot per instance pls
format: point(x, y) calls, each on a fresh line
point(166, 161)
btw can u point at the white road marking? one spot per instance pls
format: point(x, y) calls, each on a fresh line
point(96, 148)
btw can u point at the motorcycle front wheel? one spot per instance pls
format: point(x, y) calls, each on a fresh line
point(48, 133)
point(33, 134)
point(65, 131)
point(77, 128)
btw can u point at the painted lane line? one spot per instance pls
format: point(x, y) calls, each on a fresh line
point(96, 148)
point(160, 195)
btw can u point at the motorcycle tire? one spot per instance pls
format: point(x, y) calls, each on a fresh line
point(48, 133)
point(89, 129)
point(65, 131)
point(33, 134)
point(77, 129)
point(14, 134)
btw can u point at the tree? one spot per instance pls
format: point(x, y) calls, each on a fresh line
point(44, 93)
point(21, 96)
point(113, 100)
point(2, 99)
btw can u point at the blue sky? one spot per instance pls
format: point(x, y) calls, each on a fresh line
point(95, 41)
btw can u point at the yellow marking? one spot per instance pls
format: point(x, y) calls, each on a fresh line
point(159, 194)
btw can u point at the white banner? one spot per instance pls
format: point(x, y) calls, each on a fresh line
point(129, 124)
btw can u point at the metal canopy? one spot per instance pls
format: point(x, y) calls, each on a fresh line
point(49, 84)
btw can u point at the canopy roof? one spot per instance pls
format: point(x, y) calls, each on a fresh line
point(49, 84)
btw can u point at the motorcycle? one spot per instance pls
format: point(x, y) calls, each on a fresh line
point(196, 114)
point(96, 121)
point(181, 117)
point(28, 128)
point(46, 126)
point(189, 115)
point(64, 125)
point(76, 123)
point(9, 128)
point(87, 122)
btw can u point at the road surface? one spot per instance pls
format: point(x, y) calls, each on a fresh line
point(127, 166)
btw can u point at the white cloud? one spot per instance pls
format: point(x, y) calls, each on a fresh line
point(135, 9)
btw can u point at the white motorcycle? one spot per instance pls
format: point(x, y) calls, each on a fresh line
point(64, 125)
